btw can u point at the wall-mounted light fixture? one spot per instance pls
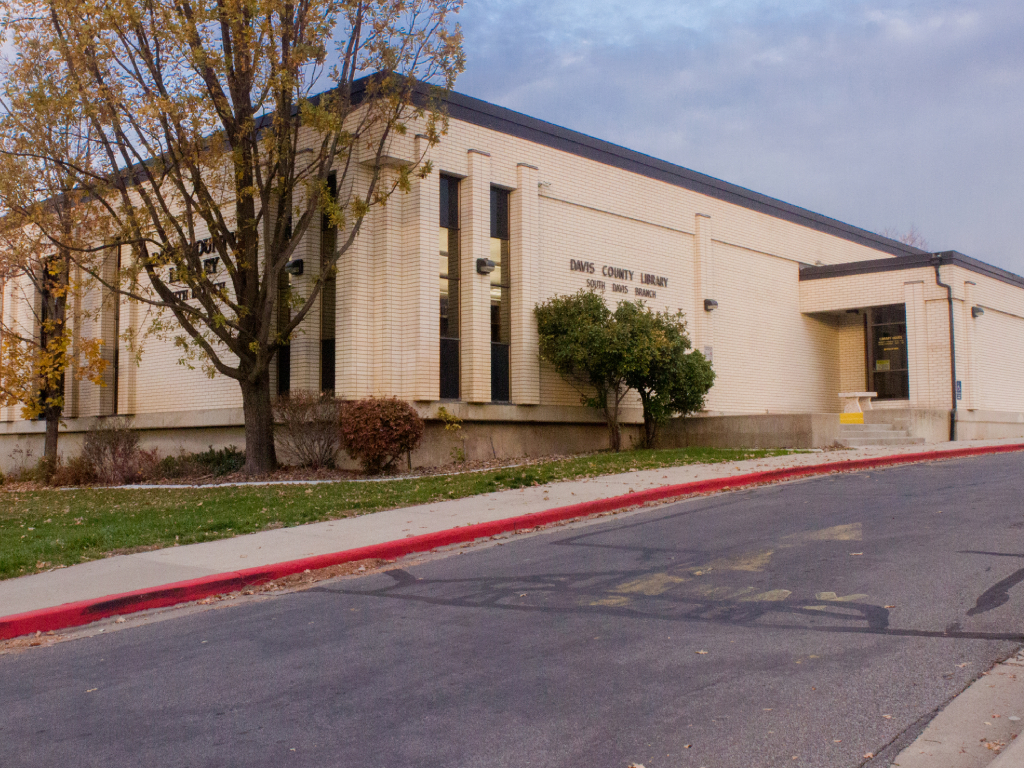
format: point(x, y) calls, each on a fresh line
point(977, 311)
point(294, 267)
point(484, 266)
point(710, 305)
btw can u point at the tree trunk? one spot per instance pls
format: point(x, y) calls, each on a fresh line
point(260, 456)
point(50, 444)
point(614, 435)
point(650, 423)
point(611, 415)
point(650, 431)
point(56, 278)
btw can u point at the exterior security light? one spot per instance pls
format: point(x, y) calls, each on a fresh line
point(484, 266)
point(710, 305)
point(294, 267)
point(977, 311)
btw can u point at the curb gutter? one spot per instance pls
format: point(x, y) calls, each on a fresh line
point(88, 611)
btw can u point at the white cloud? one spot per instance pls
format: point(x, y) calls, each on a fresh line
point(879, 113)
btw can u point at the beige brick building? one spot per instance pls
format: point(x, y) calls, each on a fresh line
point(434, 304)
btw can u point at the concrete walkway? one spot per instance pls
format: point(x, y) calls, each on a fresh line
point(952, 730)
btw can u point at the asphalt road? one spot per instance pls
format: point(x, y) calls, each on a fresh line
point(804, 624)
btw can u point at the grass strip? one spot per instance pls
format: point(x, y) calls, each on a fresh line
point(40, 530)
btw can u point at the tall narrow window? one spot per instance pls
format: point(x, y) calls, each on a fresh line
point(110, 332)
point(889, 370)
point(328, 296)
point(284, 315)
point(501, 309)
point(448, 271)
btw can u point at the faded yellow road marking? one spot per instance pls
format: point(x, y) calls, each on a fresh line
point(851, 532)
point(833, 597)
point(748, 561)
point(612, 601)
point(651, 585)
point(773, 596)
point(722, 593)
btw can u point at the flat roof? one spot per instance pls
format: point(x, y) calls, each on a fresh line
point(911, 262)
point(507, 121)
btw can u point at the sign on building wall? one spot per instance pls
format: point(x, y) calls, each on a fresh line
point(619, 280)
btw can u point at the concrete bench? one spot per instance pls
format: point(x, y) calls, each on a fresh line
point(856, 402)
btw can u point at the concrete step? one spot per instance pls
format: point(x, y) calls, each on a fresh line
point(873, 421)
point(867, 426)
point(871, 431)
point(878, 439)
point(860, 442)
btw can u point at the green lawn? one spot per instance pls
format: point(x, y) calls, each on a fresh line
point(43, 529)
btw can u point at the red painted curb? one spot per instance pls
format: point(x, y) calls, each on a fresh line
point(88, 611)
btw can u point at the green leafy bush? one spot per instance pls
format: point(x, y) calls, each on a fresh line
point(375, 432)
point(217, 462)
point(222, 461)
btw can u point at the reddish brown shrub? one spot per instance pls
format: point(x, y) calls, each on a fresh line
point(77, 471)
point(111, 447)
point(375, 432)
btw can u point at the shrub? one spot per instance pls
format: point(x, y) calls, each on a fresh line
point(40, 472)
point(220, 462)
point(307, 427)
point(111, 448)
point(453, 425)
point(77, 471)
point(216, 462)
point(375, 432)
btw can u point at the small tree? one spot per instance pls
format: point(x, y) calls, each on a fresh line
point(44, 217)
point(605, 354)
point(578, 337)
point(670, 378)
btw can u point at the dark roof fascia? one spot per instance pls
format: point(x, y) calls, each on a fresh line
point(487, 115)
point(954, 258)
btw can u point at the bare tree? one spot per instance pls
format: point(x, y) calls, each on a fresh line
point(911, 237)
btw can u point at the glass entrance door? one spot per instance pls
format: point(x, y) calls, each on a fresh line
point(888, 369)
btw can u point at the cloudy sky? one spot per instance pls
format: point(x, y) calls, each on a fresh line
point(880, 113)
